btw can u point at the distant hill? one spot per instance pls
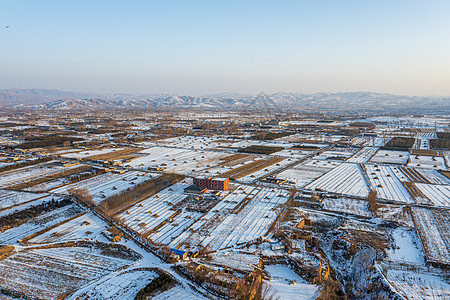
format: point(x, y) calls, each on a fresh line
point(335, 102)
point(34, 96)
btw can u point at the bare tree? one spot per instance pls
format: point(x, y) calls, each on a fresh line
point(372, 199)
point(81, 195)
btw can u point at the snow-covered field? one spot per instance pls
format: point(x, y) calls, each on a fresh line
point(12, 198)
point(336, 154)
point(236, 260)
point(182, 161)
point(108, 184)
point(386, 183)
point(345, 205)
point(41, 222)
point(25, 174)
point(406, 247)
point(430, 162)
point(288, 284)
point(434, 176)
point(49, 273)
point(292, 153)
point(157, 209)
point(123, 285)
point(438, 194)
point(301, 174)
point(251, 222)
point(346, 179)
point(88, 153)
point(198, 143)
point(390, 157)
point(434, 242)
point(83, 227)
point(416, 284)
point(363, 155)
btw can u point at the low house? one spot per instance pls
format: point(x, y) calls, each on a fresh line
point(276, 246)
point(194, 190)
point(180, 253)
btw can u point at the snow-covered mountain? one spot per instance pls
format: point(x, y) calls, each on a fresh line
point(348, 101)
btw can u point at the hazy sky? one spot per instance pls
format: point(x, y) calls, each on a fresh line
point(196, 47)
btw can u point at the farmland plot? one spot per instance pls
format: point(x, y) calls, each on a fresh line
point(429, 162)
point(419, 285)
point(86, 226)
point(153, 211)
point(301, 174)
point(26, 205)
point(432, 176)
point(14, 198)
point(346, 179)
point(363, 155)
point(386, 183)
point(25, 174)
point(124, 285)
point(360, 141)
point(12, 235)
point(108, 184)
point(179, 292)
point(250, 223)
point(198, 143)
point(167, 233)
point(181, 161)
point(48, 273)
point(390, 157)
point(235, 260)
point(228, 166)
point(438, 194)
point(345, 205)
point(434, 243)
point(292, 153)
point(336, 154)
point(88, 153)
point(253, 176)
point(322, 165)
point(200, 229)
point(405, 247)
point(281, 278)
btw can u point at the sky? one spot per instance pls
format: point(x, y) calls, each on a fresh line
point(200, 47)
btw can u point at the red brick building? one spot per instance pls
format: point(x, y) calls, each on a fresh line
point(219, 184)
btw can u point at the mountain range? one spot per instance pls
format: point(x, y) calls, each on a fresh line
point(344, 101)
